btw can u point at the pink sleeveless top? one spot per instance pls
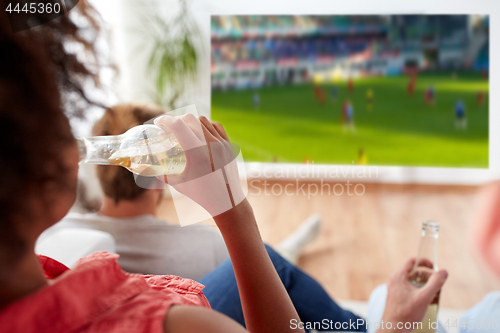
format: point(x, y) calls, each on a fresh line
point(98, 296)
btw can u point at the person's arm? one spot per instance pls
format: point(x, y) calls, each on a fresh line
point(406, 303)
point(195, 319)
point(265, 302)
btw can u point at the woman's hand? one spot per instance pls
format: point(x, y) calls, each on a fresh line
point(406, 303)
point(211, 176)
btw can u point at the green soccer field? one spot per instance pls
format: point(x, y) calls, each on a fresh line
point(291, 126)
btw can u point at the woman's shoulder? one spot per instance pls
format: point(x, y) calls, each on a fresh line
point(188, 319)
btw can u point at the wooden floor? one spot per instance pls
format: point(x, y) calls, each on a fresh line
point(364, 238)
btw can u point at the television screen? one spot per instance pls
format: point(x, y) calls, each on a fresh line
point(395, 90)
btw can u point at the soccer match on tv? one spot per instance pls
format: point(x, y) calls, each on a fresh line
point(394, 90)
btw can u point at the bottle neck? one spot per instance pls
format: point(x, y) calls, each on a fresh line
point(428, 243)
point(98, 149)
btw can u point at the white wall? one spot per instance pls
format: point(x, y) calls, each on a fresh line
point(123, 17)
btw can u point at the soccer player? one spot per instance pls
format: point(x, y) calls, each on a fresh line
point(350, 85)
point(316, 92)
point(348, 116)
point(430, 96)
point(256, 100)
point(342, 114)
point(480, 98)
point(460, 118)
point(411, 86)
point(334, 93)
point(322, 96)
point(362, 158)
point(369, 99)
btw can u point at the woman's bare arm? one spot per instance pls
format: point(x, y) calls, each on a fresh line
point(195, 319)
point(266, 304)
point(265, 301)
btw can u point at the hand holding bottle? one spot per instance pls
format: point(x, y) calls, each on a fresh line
point(211, 176)
point(407, 303)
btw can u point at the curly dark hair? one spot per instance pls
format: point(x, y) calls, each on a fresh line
point(39, 80)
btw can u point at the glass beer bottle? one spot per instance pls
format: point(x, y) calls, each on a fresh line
point(425, 265)
point(146, 150)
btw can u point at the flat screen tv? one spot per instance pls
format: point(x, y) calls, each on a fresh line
point(385, 90)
